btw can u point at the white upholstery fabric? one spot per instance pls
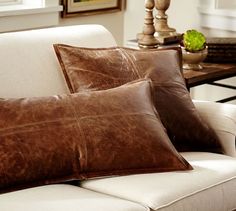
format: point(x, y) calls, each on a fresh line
point(63, 198)
point(211, 186)
point(29, 66)
point(222, 118)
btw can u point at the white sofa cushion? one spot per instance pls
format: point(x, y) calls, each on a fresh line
point(29, 67)
point(63, 198)
point(222, 118)
point(211, 186)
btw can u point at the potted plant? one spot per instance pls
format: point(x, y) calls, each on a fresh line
point(194, 49)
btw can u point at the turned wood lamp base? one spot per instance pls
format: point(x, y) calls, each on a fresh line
point(158, 33)
point(164, 34)
point(147, 39)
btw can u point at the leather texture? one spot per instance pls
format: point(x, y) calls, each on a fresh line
point(91, 134)
point(96, 69)
point(211, 186)
point(63, 197)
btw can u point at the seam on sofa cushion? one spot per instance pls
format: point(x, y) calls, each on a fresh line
point(195, 192)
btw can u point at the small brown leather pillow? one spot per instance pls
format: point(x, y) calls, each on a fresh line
point(60, 138)
point(97, 69)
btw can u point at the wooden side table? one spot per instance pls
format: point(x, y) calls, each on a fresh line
point(210, 73)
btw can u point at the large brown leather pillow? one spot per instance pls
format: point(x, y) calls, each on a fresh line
point(60, 138)
point(96, 69)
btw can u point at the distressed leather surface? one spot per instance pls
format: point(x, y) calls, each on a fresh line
point(104, 68)
point(65, 137)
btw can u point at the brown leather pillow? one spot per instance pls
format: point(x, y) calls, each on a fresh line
point(96, 69)
point(59, 138)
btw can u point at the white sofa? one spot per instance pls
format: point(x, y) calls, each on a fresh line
point(27, 59)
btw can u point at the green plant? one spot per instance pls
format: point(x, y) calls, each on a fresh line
point(193, 40)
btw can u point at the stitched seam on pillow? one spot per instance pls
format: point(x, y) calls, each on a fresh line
point(97, 73)
point(130, 170)
point(83, 141)
point(35, 124)
point(66, 76)
point(119, 114)
point(126, 55)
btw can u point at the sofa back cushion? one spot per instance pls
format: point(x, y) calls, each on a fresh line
point(28, 63)
point(66, 137)
point(96, 69)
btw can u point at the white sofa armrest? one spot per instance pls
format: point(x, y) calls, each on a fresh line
point(29, 66)
point(222, 118)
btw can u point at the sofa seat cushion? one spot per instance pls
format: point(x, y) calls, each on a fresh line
point(211, 186)
point(63, 198)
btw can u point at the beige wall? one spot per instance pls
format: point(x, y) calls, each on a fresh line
point(182, 15)
point(112, 21)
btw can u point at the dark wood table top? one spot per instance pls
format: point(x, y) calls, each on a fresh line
point(210, 73)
